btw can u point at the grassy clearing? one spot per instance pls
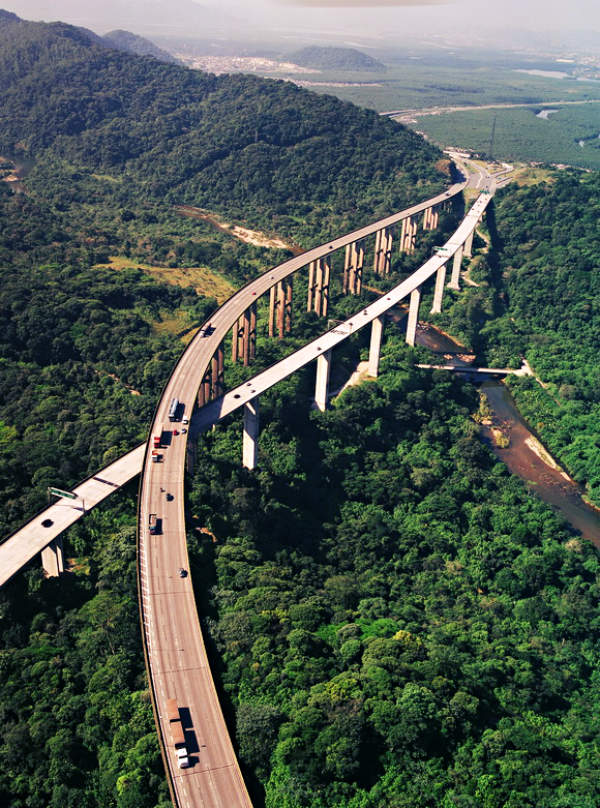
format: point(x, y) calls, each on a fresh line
point(205, 281)
point(531, 175)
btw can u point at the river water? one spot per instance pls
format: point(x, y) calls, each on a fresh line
point(551, 484)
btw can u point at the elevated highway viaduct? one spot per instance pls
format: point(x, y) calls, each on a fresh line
point(175, 654)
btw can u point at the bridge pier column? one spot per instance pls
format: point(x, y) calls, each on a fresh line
point(438, 292)
point(311, 286)
point(52, 558)
point(322, 273)
point(217, 367)
point(434, 218)
point(272, 308)
point(252, 332)
point(280, 310)
point(204, 389)
point(469, 244)
point(322, 382)
point(385, 257)
point(246, 342)
point(409, 234)
point(250, 434)
point(456, 265)
point(383, 251)
point(289, 296)
point(349, 263)
point(375, 346)
point(377, 253)
point(427, 219)
point(355, 267)
point(235, 335)
point(318, 285)
point(413, 317)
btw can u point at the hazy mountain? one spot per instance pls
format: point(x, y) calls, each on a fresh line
point(132, 43)
point(331, 58)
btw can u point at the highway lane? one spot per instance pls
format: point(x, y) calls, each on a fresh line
point(177, 660)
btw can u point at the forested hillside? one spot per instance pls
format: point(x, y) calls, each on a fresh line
point(237, 144)
point(540, 297)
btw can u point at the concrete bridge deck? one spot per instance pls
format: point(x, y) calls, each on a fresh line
point(48, 525)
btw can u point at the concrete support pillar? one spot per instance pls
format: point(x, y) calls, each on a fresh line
point(384, 256)
point(250, 434)
point(288, 310)
point(311, 286)
point(52, 558)
point(322, 383)
point(434, 217)
point(357, 260)
point(280, 309)
point(246, 342)
point(456, 265)
point(243, 339)
point(318, 301)
point(413, 317)
point(347, 267)
point(427, 219)
point(217, 367)
point(272, 309)
point(325, 288)
point(252, 334)
point(318, 287)
point(234, 341)
point(377, 251)
point(280, 306)
point(204, 389)
point(469, 244)
point(438, 292)
point(408, 238)
point(375, 347)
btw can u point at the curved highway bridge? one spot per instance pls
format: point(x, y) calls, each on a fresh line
point(175, 654)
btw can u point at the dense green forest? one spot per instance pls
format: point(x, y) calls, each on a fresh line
point(77, 726)
point(540, 298)
point(398, 621)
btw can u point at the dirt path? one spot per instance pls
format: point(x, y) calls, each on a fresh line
point(254, 237)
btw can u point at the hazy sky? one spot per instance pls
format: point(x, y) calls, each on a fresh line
point(380, 18)
point(530, 14)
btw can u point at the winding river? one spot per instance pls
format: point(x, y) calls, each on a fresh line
point(542, 475)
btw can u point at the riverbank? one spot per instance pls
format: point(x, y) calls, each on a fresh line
point(513, 442)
